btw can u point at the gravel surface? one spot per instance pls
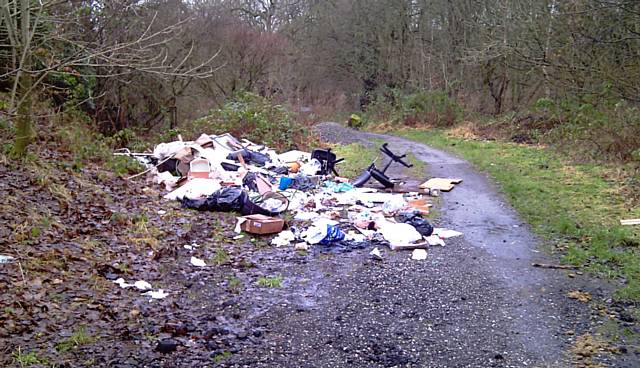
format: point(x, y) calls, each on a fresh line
point(475, 303)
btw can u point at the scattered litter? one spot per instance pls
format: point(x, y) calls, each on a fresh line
point(306, 216)
point(376, 254)
point(323, 232)
point(283, 239)
point(120, 282)
point(630, 222)
point(446, 233)
point(399, 235)
point(419, 254)
point(394, 205)
point(302, 246)
point(440, 184)
point(197, 262)
point(415, 219)
point(6, 259)
point(224, 174)
point(159, 294)
point(260, 224)
point(142, 285)
point(434, 240)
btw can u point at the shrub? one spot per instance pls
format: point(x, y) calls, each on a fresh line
point(257, 119)
point(608, 131)
point(355, 121)
point(433, 108)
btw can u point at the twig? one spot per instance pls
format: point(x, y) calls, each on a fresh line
point(149, 169)
point(560, 267)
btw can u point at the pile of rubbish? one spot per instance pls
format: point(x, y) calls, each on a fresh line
point(222, 173)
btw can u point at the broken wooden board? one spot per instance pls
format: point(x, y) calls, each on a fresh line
point(630, 222)
point(442, 184)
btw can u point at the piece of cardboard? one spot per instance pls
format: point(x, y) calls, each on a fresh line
point(441, 184)
point(261, 224)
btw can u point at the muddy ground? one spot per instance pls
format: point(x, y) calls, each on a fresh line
point(475, 303)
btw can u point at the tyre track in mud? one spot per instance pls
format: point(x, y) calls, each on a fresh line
point(475, 303)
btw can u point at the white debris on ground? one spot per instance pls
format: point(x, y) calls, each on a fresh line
point(222, 173)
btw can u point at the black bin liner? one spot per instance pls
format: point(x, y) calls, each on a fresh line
point(227, 200)
point(415, 219)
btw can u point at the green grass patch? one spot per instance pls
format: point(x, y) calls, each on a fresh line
point(575, 206)
point(79, 337)
point(270, 282)
point(25, 359)
point(221, 357)
point(357, 157)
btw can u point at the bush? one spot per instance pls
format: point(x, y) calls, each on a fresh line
point(607, 131)
point(257, 119)
point(420, 108)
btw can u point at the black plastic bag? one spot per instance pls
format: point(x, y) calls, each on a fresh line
point(415, 219)
point(223, 200)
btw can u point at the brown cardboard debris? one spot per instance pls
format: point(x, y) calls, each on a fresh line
point(442, 184)
point(260, 224)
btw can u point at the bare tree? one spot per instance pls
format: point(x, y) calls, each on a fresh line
point(52, 36)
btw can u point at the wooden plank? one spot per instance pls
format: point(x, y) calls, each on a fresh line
point(630, 222)
point(441, 184)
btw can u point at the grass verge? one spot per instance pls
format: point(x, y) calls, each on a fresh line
point(577, 207)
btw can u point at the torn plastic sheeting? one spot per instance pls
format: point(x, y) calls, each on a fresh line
point(164, 150)
point(435, 240)
point(393, 205)
point(283, 239)
point(324, 232)
point(159, 294)
point(167, 179)
point(294, 155)
point(399, 234)
point(306, 216)
point(6, 259)
point(140, 285)
point(195, 188)
point(311, 168)
point(338, 187)
point(446, 233)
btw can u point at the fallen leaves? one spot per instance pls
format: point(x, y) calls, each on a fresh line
point(579, 295)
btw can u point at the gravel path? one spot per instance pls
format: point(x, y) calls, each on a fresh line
point(475, 303)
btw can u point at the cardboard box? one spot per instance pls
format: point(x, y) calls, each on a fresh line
point(261, 224)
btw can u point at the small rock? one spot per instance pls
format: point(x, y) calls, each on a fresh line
point(626, 317)
point(212, 345)
point(167, 346)
point(242, 335)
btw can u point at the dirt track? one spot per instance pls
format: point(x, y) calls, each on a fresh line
point(475, 303)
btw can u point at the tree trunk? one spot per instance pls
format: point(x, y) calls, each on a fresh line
point(24, 123)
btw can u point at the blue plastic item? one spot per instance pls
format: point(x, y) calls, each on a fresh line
point(285, 182)
point(333, 234)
